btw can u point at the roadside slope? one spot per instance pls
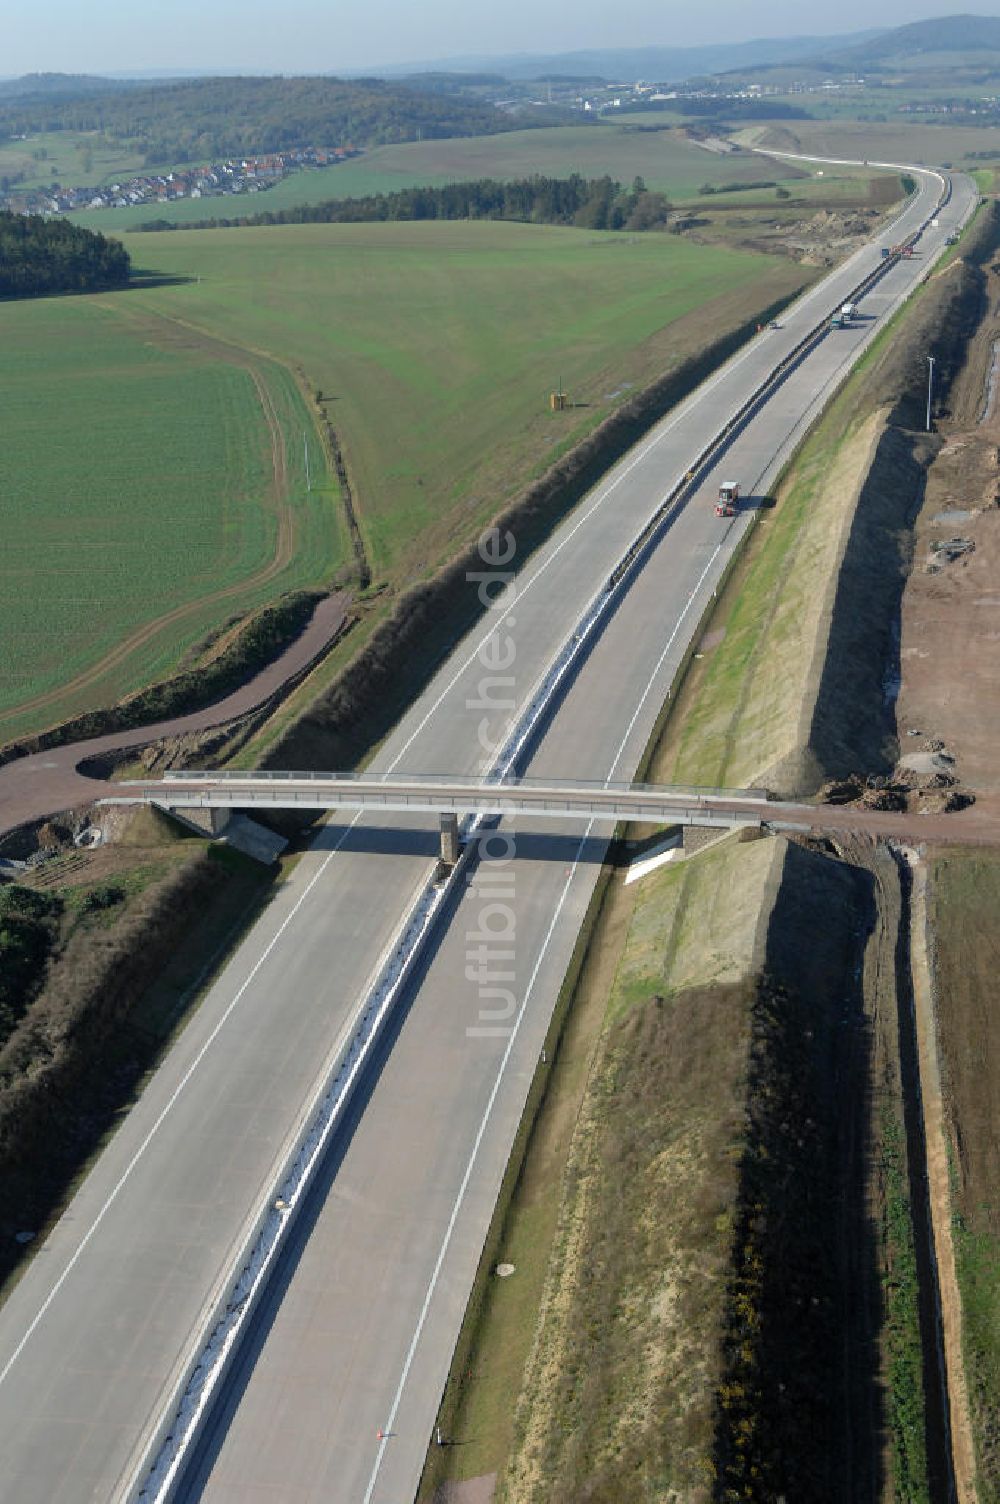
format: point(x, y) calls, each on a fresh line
point(790, 688)
point(821, 1218)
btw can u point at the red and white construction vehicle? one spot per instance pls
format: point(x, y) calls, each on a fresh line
point(729, 495)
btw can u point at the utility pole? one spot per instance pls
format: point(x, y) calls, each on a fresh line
point(305, 446)
point(930, 388)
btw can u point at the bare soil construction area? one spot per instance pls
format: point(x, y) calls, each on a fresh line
point(813, 233)
point(950, 665)
point(721, 1266)
point(949, 693)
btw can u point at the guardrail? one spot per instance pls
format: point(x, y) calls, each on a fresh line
point(366, 781)
point(511, 797)
point(156, 1476)
point(638, 550)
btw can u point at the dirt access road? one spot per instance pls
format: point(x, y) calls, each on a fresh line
point(46, 782)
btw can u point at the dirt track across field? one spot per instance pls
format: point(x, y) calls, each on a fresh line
point(283, 549)
point(47, 782)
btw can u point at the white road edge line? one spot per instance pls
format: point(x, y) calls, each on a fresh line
point(582, 521)
point(501, 1070)
point(702, 392)
point(466, 1178)
point(663, 429)
point(168, 1106)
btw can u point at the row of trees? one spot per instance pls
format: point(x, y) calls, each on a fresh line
point(590, 203)
point(723, 108)
point(212, 118)
point(50, 255)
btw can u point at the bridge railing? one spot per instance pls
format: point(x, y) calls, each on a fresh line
point(442, 781)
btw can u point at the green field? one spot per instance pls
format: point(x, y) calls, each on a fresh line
point(72, 158)
point(667, 160)
point(896, 140)
point(141, 502)
point(437, 345)
point(141, 506)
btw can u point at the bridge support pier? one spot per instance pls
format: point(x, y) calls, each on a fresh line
point(210, 821)
point(449, 839)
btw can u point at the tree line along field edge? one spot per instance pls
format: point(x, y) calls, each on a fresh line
point(668, 161)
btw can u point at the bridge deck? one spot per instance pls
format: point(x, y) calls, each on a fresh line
point(442, 795)
point(546, 799)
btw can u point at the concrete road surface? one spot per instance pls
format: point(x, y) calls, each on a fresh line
point(361, 1334)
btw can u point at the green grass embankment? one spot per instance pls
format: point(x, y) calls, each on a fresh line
point(641, 1109)
point(589, 1391)
point(788, 689)
point(901, 1294)
point(964, 893)
point(675, 1201)
point(747, 716)
point(121, 941)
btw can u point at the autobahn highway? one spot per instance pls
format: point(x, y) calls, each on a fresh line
point(356, 1332)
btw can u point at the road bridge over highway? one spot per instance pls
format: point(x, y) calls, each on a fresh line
point(542, 799)
point(572, 799)
point(330, 1395)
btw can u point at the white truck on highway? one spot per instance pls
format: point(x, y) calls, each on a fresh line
point(729, 495)
point(848, 311)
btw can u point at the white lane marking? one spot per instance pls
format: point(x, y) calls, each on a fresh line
point(460, 1198)
point(803, 156)
point(689, 406)
point(484, 1123)
point(481, 1132)
point(662, 658)
point(137, 1156)
point(699, 396)
point(661, 434)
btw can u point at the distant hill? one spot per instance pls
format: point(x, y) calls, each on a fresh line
point(58, 86)
point(949, 34)
point(210, 118)
point(950, 50)
point(655, 64)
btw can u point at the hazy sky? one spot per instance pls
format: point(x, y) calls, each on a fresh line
point(322, 36)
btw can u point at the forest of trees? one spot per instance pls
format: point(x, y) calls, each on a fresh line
point(590, 203)
point(721, 108)
point(206, 119)
point(50, 255)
